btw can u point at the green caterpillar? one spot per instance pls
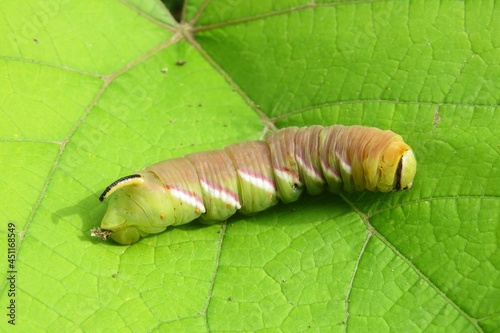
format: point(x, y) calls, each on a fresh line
point(251, 176)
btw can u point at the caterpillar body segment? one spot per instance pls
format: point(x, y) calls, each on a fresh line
point(251, 176)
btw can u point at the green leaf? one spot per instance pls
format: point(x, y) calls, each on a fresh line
point(91, 91)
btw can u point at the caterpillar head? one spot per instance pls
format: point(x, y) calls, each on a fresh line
point(397, 167)
point(134, 209)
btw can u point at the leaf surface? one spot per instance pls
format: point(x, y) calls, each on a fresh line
point(92, 91)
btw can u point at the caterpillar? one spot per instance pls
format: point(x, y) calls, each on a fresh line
point(251, 176)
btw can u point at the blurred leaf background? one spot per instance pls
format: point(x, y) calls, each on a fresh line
point(91, 91)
